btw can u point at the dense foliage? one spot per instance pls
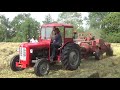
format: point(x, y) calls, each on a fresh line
point(104, 25)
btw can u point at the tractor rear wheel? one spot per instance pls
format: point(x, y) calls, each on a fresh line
point(70, 56)
point(41, 67)
point(109, 52)
point(13, 63)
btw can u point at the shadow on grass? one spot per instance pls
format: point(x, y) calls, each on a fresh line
point(113, 55)
point(56, 67)
point(53, 67)
point(92, 58)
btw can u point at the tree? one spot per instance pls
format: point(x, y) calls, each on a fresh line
point(4, 28)
point(30, 27)
point(16, 23)
point(111, 27)
point(23, 25)
point(48, 19)
point(73, 18)
point(95, 19)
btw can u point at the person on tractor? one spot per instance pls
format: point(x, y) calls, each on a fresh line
point(28, 39)
point(56, 43)
point(33, 40)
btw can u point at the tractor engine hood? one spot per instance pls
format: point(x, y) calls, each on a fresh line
point(41, 44)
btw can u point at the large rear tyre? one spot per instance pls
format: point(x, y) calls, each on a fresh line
point(70, 56)
point(41, 67)
point(13, 63)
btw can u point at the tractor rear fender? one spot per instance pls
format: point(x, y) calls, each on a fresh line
point(64, 45)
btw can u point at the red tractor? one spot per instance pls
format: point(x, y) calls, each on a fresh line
point(69, 54)
point(38, 54)
point(93, 47)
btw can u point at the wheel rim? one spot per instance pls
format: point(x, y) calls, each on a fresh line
point(44, 67)
point(73, 57)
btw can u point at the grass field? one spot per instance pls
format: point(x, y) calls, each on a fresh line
point(108, 67)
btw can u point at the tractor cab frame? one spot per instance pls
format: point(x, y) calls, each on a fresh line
point(66, 31)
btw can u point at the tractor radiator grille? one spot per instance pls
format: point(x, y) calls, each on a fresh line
point(22, 53)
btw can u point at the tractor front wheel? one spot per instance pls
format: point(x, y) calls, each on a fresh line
point(41, 67)
point(70, 56)
point(13, 63)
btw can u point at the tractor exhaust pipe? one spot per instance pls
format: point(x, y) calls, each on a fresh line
point(28, 36)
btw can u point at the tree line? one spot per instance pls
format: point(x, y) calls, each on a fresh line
point(107, 24)
point(104, 25)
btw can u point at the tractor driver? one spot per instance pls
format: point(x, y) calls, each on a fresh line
point(56, 43)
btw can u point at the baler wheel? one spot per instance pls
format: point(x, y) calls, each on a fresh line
point(109, 52)
point(98, 55)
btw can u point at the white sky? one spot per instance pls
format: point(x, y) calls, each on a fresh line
point(39, 16)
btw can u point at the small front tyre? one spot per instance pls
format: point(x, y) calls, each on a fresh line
point(41, 67)
point(13, 63)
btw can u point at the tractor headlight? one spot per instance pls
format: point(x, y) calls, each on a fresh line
point(31, 50)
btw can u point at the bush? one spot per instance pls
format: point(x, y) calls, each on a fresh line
point(113, 38)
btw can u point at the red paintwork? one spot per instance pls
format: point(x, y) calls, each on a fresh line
point(66, 40)
point(42, 44)
point(86, 46)
point(102, 44)
point(90, 46)
point(85, 36)
point(28, 46)
point(22, 64)
point(58, 25)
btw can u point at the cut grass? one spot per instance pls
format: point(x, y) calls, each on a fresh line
point(108, 67)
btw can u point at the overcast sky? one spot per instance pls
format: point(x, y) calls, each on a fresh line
point(39, 16)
